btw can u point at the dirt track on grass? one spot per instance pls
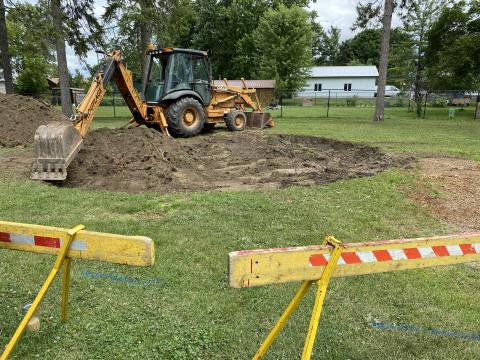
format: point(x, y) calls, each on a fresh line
point(452, 191)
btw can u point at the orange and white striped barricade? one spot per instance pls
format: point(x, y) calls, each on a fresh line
point(335, 259)
point(68, 244)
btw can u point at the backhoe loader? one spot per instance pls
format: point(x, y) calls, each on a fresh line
point(179, 99)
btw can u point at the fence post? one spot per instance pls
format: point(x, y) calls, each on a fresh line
point(328, 103)
point(425, 105)
point(281, 106)
point(475, 115)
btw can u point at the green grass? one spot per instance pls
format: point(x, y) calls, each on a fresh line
point(402, 131)
point(192, 314)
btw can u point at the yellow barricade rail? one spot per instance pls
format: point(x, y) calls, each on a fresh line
point(334, 259)
point(67, 244)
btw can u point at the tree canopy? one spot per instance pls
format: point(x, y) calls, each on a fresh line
point(287, 63)
point(436, 45)
point(453, 50)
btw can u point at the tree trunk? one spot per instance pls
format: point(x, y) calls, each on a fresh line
point(146, 37)
point(61, 59)
point(383, 63)
point(7, 66)
point(418, 76)
point(146, 9)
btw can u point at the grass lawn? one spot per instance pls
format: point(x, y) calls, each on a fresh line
point(182, 307)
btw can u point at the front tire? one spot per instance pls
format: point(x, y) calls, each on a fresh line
point(186, 117)
point(236, 120)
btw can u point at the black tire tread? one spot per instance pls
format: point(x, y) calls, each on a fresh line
point(174, 113)
point(230, 120)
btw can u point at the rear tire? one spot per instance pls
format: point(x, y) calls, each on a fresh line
point(186, 117)
point(236, 120)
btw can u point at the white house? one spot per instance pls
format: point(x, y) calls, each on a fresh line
point(341, 81)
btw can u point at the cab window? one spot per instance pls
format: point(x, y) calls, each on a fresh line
point(156, 80)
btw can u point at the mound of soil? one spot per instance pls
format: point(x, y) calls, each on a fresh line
point(142, 159)
point(20, 116)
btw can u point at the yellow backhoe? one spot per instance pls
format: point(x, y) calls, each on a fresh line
point(179, 99)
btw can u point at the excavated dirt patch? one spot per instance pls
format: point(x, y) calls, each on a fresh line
point(452, 190)
point(142, 159)
point(20, 116)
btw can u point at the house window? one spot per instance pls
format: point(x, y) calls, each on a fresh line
point(347, 87)
point(318, 87)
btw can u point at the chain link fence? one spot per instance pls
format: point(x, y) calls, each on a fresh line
point(330, 100)
point(327, 103)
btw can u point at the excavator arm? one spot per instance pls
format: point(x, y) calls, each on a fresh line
point(56, 144)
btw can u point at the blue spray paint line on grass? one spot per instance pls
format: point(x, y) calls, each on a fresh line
point(120, 278)
point(416, 329)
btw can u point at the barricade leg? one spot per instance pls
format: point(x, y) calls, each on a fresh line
point(65, 287)
point(322, 286)
point(282, 320)
point(43, 290)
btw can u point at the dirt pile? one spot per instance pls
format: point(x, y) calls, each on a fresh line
point(142, 159)
point(20, 116)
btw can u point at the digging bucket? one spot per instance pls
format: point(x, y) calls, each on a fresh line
point(259, 120)
point(55, 145)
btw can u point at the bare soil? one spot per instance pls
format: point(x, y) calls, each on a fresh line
point(20, 116)
point(136, 160)
point(451, 190)
point(141, 159)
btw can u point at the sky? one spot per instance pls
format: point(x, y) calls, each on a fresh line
point(339, 13)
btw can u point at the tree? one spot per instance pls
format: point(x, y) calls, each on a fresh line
point(417, 20)
point(57, 15)
point(383, 62)
point(7, 68)
point(73, 22)
point(141, 22)
point(326, 45)
point(225, 29)
point(452, 55)
point(228, 36)
point(283, 42)
point(367, 13)
point(33, 78)
point(32, 53)
point(364, 48)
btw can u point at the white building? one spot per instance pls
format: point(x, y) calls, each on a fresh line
point(341, 81)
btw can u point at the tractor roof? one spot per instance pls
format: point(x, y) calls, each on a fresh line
point(172, 50)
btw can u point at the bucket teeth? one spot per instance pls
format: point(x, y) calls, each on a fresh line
point(55, 145)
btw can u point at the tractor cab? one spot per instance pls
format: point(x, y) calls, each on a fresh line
point(174, 73)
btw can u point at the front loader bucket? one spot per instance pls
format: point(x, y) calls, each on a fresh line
point(56, 144)
point(259, 120)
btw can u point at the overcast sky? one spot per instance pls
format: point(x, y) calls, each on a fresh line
point(339, 13)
